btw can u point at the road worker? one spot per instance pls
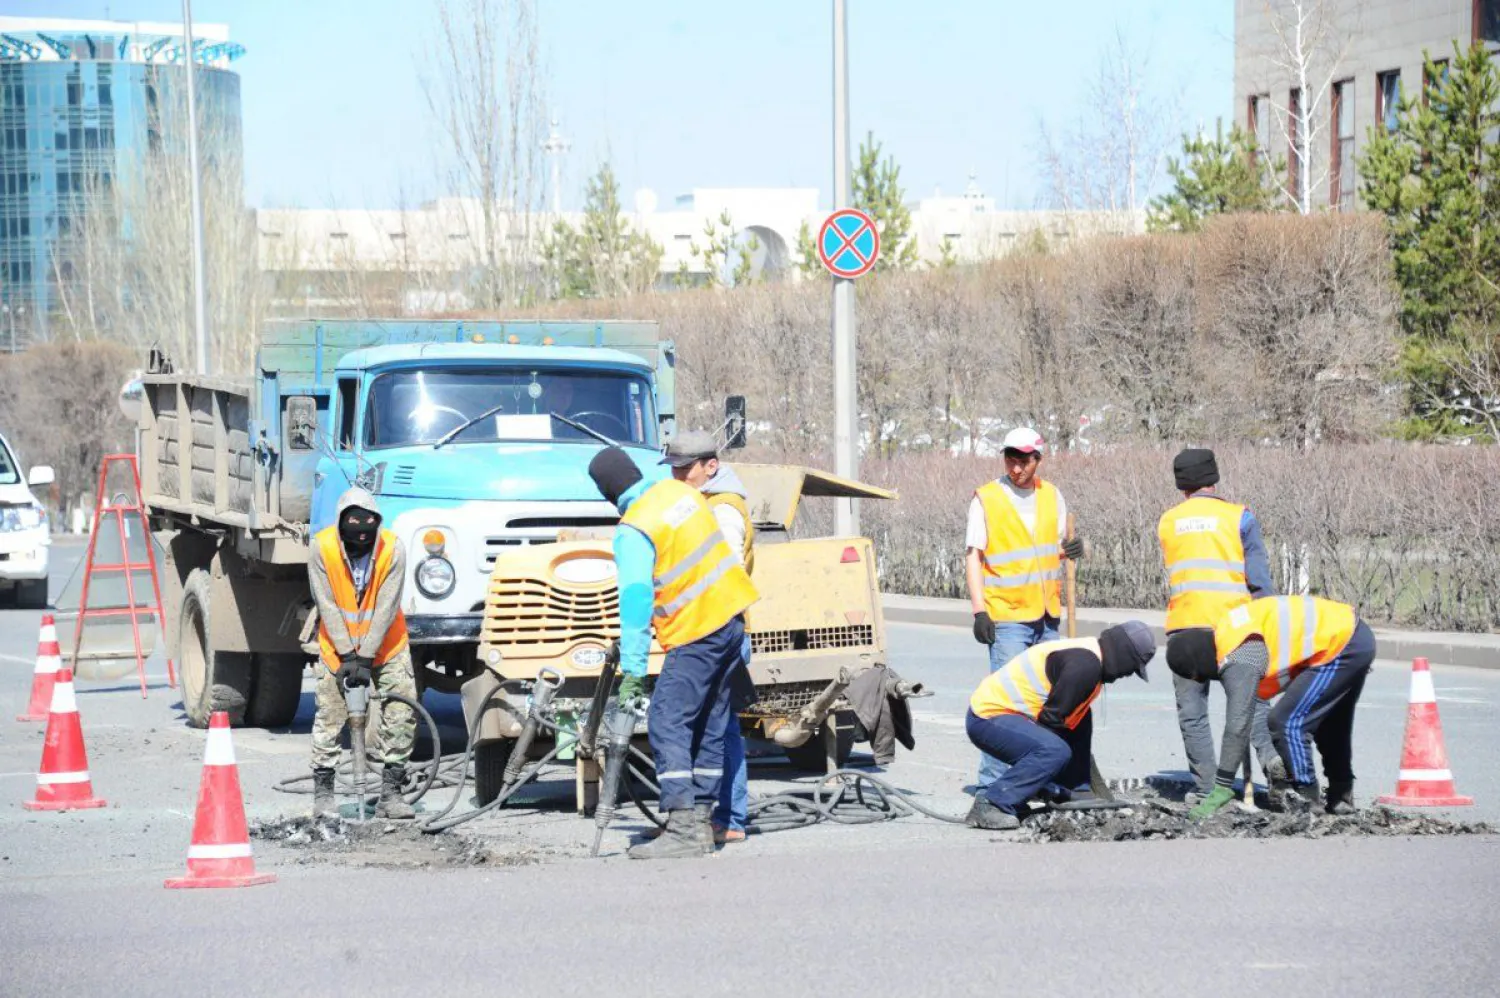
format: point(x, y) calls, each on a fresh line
point(1013, 563)
point(356, 569)
point(1215, 561)
point(677, 574)
point(1314, 654)
point(1034, 713)
point(694, 459)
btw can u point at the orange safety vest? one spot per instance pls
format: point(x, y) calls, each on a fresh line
point(1021, 685)
point(699, 585)
point(1200, 542)
point(737, 502)
point(358, 612)
point(1300, 632)
point(1022, 573)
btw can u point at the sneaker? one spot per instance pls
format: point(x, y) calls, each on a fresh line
point(987, 816)
point(724, 836)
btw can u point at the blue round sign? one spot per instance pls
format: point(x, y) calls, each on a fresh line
point(848, 243)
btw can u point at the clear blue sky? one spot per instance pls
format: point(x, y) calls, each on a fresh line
point(684, 93)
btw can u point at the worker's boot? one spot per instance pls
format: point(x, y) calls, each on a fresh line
point(323, 799)
point(989, 817)
point(679, 840)
point(392, 805)
point(703, 824)
point(1276, 772)
point(1340, 798)
point(1299, 798)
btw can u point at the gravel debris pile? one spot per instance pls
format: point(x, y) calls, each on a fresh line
point(380, 843)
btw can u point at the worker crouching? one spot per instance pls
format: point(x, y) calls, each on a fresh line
point(677, 574)
point(356, 569)
point(1034, 713)
point(1311, 652)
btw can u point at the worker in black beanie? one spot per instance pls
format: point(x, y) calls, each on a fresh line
point(1216, 561)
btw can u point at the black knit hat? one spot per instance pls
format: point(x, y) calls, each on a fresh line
point(1195, 468)
point(613, 472)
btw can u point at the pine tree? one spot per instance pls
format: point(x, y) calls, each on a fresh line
point(604, 257)
point(1436, 179)
point(878, 193)
point(808, 262)
point(1214, 176)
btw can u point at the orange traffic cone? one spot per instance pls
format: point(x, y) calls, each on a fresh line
point(1426, 780)
point(63, 783)
point(219, 855)
point(48, 661)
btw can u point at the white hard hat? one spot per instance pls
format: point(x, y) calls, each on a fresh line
point(1023, 439)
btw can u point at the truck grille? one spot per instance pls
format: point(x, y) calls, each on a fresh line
point(812, 639)
point(530, 614)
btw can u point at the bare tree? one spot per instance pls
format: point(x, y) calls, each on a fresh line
point(1110, 158)
point(1311, 38)
point(486, 95)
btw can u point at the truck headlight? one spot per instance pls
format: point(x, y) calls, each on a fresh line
point(435, 577)
point(25, 516)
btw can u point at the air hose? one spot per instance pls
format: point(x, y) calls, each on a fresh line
point(419, 779)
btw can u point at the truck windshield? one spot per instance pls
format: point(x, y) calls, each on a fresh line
point(409, 408)
point(8, 473)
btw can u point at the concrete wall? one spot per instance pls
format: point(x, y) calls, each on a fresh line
point(1364, 38)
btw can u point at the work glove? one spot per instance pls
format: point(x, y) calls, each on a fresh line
point(1216, 799)
point(630, 688)
point(984, 628)
point(1073, 548)
point(356, 671)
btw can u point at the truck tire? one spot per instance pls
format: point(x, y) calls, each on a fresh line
point(211, 681)
point(276, 692)
point(31, 594)
point(490, 760)
point(812, 755)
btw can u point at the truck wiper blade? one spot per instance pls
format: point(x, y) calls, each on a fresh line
point(464, 426)
point(584, 429)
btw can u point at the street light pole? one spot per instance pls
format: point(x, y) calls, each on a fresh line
point(845, 414)
point(200, 310)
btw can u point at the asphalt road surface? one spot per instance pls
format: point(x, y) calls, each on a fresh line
point(910, 907)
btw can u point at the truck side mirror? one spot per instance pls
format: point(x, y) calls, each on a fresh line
point(301, 422)
point(734, 422)
point(41, 474)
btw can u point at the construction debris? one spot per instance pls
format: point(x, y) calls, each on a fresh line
point(393, 845)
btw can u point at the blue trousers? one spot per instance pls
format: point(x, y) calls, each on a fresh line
point(733, 810)
point(689, 715)
point(1318, 707)
point(1011, 638)
point(1039, 757)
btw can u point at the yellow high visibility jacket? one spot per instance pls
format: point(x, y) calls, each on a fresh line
point(1022, 573)
point(1021, 685)
point(1200, 542)
point(699, 585)
point(1300, 632)
point(732, 499)
point(358, 612)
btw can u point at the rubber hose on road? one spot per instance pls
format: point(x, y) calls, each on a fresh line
point(432, 766)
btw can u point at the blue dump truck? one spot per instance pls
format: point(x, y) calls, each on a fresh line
point(447, 422)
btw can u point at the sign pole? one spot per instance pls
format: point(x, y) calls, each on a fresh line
point(845, 414)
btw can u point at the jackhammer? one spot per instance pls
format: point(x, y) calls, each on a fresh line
point(548, 682)
point(620, 728)
point(357, 700)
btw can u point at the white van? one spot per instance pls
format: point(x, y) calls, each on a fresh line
point(24, 535)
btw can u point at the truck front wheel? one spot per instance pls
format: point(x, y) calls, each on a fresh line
point(211, 680)
point(277, 691)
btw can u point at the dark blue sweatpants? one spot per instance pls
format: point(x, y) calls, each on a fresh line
point(690, 710)
point(1318, 707)
point(1039, 757)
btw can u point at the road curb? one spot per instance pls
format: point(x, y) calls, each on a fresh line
point(1474, 651)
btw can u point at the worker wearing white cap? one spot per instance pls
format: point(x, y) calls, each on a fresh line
point(1013, 564)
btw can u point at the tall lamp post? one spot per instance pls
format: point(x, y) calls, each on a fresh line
point(845, 413)
point(200, 310)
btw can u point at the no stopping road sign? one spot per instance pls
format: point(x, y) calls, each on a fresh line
point(848, 243)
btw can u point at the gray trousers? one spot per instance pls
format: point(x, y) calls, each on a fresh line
point(1198, 736)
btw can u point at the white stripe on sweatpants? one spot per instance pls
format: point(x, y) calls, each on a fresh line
point(239, 850)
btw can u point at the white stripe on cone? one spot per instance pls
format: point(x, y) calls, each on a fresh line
point(1426, 775)
point(1421, 687)
point(238, 850)
point(63, 700)
point(46, 778)
point(220, 748)
point(49, 633)
point(47, 664)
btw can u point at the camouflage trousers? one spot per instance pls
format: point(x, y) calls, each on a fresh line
point(389, 729)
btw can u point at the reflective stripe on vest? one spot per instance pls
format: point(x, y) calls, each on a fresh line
point(1300, 632)
point(1022, 571)
point(699, 585)
point(357, 612)
point(1021, 686)
point(1205, 559)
